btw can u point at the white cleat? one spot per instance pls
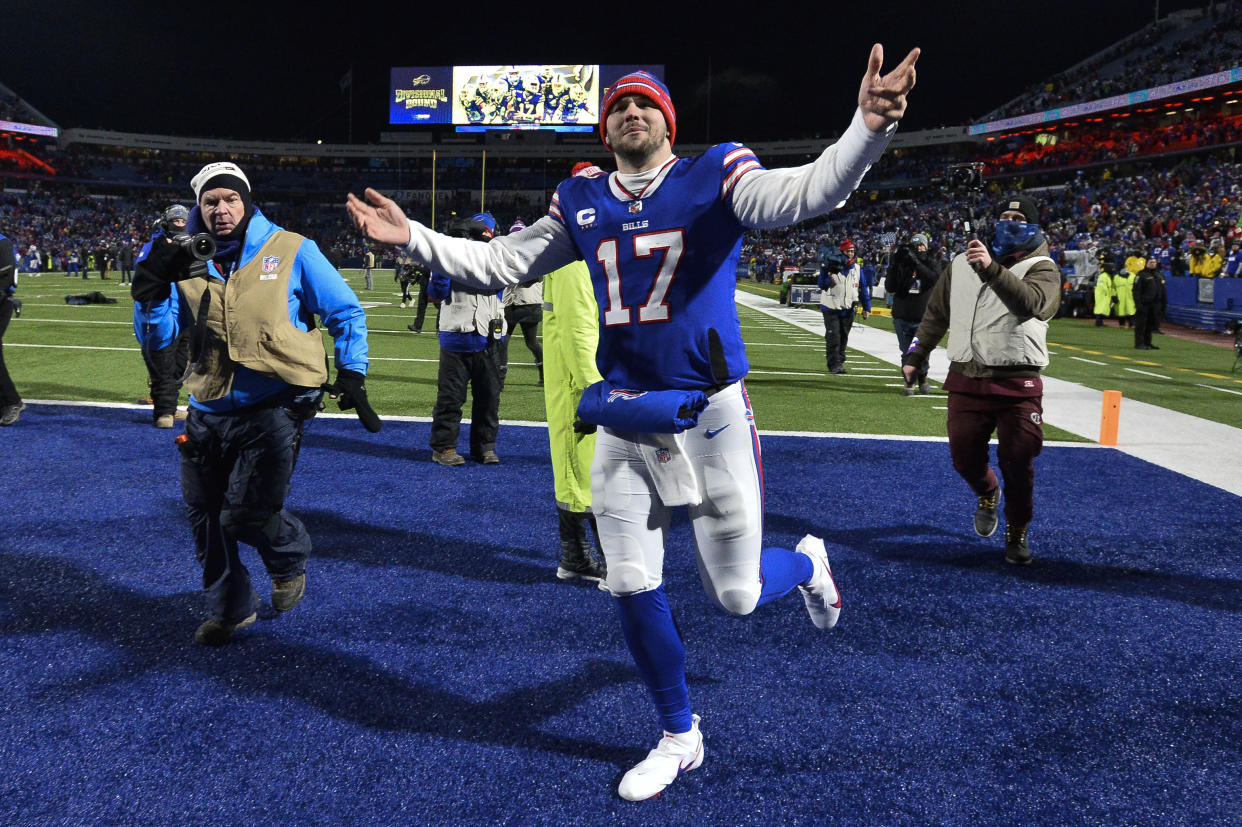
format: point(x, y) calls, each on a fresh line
point(823, 601)
point(675, 754)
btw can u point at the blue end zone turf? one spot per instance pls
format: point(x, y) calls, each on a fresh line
point(438, 671)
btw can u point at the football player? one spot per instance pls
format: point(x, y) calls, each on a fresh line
point(661, 237)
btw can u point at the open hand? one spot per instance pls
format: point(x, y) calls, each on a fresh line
point(379, 218)
point(883, 99)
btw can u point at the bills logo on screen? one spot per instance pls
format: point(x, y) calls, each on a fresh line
point(270, 265)
point(420, 80)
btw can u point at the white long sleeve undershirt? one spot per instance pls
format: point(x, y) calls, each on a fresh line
point(762, 198)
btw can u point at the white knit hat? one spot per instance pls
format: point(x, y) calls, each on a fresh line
point(220, 174)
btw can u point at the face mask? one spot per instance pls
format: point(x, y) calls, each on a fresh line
point(1014, 235)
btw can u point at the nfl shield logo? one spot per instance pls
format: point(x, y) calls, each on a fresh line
point(636, 207)
point(270, 263)
point(663, 455)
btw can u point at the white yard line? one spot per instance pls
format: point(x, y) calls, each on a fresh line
point(1207, 451)
point(1088, 361)
point(1222, 390)
point(1146, 373)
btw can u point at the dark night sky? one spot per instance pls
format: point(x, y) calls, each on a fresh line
point(778, 69)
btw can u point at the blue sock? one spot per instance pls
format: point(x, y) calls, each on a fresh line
point(659, 654)
point(780, 570)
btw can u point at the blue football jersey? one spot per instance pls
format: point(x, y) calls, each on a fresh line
point(663, 265)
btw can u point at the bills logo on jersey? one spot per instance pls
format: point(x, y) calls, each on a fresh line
point(620, 393)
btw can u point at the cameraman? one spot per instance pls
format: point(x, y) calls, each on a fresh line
point(840, 288)
point(165, 355)
point(912, 273)
point(472, 328)
point(257, 372)
point(995, 305)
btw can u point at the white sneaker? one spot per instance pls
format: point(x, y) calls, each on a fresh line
point(675, 754)
point(823, 601)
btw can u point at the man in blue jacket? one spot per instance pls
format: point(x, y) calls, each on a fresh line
point(257, 372)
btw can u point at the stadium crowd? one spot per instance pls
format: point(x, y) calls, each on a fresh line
point(1188, 204)
point(1164, 51)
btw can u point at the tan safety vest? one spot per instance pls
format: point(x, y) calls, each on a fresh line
point(982, 329)
point(247, 323)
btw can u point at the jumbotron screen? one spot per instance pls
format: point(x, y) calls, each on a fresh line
point(562, 97)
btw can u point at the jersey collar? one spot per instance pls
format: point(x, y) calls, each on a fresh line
point(640, 185)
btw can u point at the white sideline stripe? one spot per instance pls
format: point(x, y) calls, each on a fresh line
point(785, 373)
point(75, 321)
point(1214, 388)
point(1210, 452)
point(1082, 359)
point(1146, 373)
point(75, 347)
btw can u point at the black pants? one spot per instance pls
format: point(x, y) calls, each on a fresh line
point(422, 306)
point(836, 333)
point(1145, 322)
point(8, 392)
point(528, 317)
point(479, 373)
point(235, 476)
point(165, 367)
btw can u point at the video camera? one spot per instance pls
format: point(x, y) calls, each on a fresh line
point(961, 177)
point(200, 245)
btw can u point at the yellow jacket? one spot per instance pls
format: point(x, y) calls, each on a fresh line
point(570, 334)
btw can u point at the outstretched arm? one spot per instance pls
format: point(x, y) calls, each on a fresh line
point(778, 197)
point(522, 256)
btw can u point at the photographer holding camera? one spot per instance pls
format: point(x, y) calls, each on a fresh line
point(840, 289)
point(249, 293)
point(164, 354)
point(912, 273)
point(996, 312)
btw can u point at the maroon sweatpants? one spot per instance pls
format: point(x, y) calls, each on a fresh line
point(1018, 423)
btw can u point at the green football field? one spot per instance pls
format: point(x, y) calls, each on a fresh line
point(63, 352)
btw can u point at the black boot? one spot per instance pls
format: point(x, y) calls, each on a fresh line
point(1017, 550)
point(578, 557)
point(539, 367)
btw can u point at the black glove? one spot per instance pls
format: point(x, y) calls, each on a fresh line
point(166, 262)
point(350, 387)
